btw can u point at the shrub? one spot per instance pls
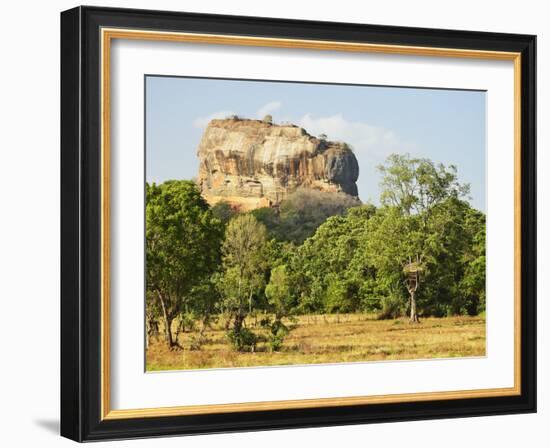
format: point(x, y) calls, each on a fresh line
point(196, 342)
point(392, 307)
point(277, 333)
point(243, 340)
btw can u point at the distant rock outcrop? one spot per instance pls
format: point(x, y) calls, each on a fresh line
point(253, 163)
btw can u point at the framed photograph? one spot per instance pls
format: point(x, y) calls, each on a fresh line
point(274, 223)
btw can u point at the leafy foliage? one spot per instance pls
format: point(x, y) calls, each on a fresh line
point(244, 270)
point(281, 303)
point(317, 253)
point(182, 248)
point(223, 211)
point(416, 184)
point(243, 339)
point(303, 212)
point(392, 307)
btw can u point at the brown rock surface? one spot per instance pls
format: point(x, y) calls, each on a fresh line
point(251, 163)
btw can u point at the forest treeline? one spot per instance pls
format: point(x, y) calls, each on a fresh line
point(316, 253)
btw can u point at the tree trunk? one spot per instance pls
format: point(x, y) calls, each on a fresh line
point(414, 316)
point(167, 323)
point(168, 331)
point(238, 323)
point(203, 326)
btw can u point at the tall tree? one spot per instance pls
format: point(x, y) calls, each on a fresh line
point(244, 272)
point(182, 247)
point(394, 240)
point(415, 186)
point(451, 244)
point(333, 266)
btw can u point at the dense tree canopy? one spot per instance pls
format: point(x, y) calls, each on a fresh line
point(303, 212)
point(317, 253)
point(416, 189)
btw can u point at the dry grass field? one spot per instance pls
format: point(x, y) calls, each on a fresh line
point(331, 339)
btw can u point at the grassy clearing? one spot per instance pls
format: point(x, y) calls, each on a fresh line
point(330, 339)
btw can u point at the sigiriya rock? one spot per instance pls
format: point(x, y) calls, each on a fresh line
point(255, 163)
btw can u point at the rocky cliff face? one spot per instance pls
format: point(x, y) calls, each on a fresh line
point(251, 163)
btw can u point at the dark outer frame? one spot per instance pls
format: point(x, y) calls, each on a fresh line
point(81, 224)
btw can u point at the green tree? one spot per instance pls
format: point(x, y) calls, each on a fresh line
point(281, 301)
point(244, 271)
point(415, 186)
point(337, 297)
point(473, 281)
point(334, 264)
point(223, 211)
point(302, 212)
point(182, 248)
point(152, 314)
point(278, 292)
point(204, 303)
point(453, 227)
point(269, 217)
point(394, 240)
point(448, 240)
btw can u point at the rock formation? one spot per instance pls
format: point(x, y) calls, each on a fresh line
point(253, 163)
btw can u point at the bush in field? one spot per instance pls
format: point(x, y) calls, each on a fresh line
point(393, 306)
point(278, 333)
point(243, 340)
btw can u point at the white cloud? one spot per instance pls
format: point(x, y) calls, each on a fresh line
point(371, 142)
point(376, 141)
point(268, 108)
point(202, 122)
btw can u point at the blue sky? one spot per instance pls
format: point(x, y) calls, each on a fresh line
point(444, 125)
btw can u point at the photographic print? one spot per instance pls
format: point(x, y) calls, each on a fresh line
point(258, 214)
point(296, 223)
